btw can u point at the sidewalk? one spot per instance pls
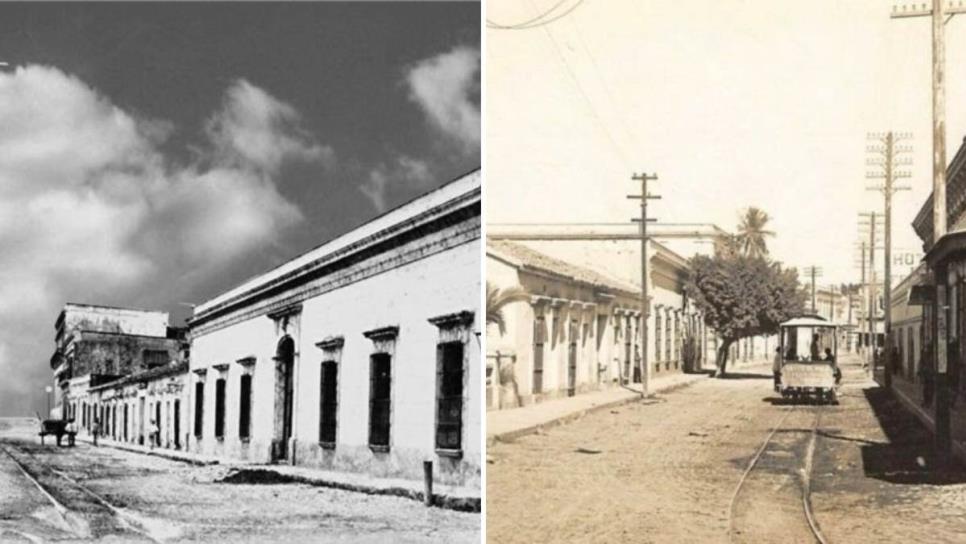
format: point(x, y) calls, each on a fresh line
point(175, 455)
point(910, 395)
point(449, 497)
point(504, 425)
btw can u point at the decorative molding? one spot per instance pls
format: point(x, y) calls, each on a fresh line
point(382, 333)
point(247, 361)
point(331, 343)
point(221, 367)
point(460, 222)
point(285, 311)
point(200, 371)
point(457, 319)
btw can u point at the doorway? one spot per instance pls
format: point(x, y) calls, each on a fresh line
point(284, 392)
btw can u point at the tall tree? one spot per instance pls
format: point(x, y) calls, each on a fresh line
point(742, 296)
point(752, 232)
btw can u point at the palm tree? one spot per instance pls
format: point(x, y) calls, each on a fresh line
point(497, 299)
point(751, 232)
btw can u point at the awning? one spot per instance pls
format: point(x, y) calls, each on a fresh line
point(922, 295)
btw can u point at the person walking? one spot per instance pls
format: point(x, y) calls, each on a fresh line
point(776, 369)
point(71, 432)
point(154, 435)
point(96, 429)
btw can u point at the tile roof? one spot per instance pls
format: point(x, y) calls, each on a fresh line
point(526, 257)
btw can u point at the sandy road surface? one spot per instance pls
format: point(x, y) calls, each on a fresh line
point(155, 499)
point(667, 469)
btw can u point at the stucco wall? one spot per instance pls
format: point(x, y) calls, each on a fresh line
point(406, 296)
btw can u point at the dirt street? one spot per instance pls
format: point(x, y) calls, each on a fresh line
point(667, 470)
point(108, 495)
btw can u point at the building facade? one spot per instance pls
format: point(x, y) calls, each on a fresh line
point(578, 330)
point(361, 355)
point(97, 345)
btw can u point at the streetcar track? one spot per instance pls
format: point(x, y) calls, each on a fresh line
point(807, 482)
point(805, 473)
point(127, 520)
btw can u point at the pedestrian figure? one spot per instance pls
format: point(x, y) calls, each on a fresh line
point(71, 432)
point(776, 369)
point(154, 435)
point(835, 366)
point(95, 429)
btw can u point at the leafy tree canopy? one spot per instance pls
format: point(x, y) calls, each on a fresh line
point(742, 295)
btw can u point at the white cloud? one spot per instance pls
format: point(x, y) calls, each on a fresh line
point(447, 88)
point(255, 129)
point(402, 171)
point(91, 207)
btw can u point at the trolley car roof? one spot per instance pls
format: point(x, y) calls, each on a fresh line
point(808, 322)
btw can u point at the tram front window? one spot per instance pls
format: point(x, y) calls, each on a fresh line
point(807, 344)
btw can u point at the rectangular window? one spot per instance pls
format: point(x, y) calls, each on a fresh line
point(539, 337)
point(220, 408)
point(199, 407)
point(657, 337)
point(177, 424)
point(328, 402)
point(380, 394)
point(245, 406)
point(449, 396)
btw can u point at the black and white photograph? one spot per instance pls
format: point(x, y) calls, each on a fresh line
point(240, 272)
point(725, 271)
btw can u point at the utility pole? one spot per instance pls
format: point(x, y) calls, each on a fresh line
point(888, 157)
point(864, 286)
point(938, 14)
point(872, 224)
point(813, 272)
point(645, 272)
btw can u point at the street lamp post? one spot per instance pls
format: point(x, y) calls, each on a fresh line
point(49, 390)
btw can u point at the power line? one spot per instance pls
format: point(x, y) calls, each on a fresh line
point(590, 103)
point(538, 21)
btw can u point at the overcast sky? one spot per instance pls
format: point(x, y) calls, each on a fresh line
point(154, 154)
point(733, 103)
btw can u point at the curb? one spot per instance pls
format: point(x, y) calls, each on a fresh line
point(959, 450)
point(447, 502)
point(509, 436)
point(157, 452)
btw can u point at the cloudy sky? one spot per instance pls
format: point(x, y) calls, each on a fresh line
point(734, 104)
point(154, 155)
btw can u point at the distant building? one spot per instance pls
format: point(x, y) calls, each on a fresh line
point(361, 355)
point(98, 345)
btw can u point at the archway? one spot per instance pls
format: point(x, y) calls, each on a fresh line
point(284, 393)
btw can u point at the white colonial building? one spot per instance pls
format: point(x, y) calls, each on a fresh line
point(579, 328)
point(361, 355)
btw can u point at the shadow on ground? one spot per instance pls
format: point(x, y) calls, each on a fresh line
point(909, 456)
point(746, 376)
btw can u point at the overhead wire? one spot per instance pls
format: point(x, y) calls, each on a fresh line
point(590, 103)
point(539, 20)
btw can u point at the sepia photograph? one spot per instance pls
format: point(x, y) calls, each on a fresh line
point(241, 281)
point(725, 271)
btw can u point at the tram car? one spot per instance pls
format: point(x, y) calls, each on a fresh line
point(809, 369)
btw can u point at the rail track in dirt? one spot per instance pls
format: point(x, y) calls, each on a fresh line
point(763, 494)
point(80, 511)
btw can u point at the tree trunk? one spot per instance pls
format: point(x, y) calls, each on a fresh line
point(722, 359)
